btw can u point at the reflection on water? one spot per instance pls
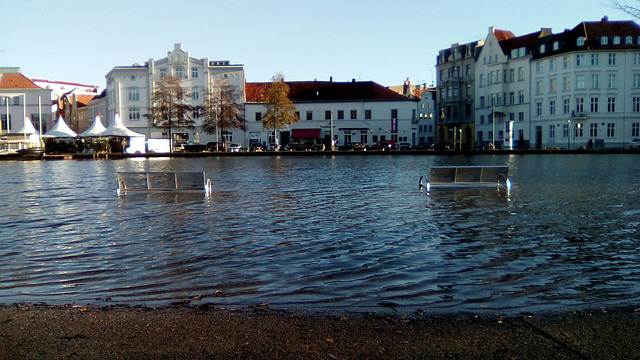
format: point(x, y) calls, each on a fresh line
point(327, 232)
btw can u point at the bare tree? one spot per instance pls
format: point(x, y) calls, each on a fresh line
point(170, 107)
point(222, 109)
point(280, 109)
point(625, 7)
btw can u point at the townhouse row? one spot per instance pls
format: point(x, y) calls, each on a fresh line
point(578, 88)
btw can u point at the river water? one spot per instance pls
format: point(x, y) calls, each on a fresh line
point(325, 232)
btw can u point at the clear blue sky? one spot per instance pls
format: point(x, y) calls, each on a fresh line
point(381, 40)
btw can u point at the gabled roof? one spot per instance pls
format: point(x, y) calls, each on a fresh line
point(528, 41)
point(16, 81)
point(326, 91)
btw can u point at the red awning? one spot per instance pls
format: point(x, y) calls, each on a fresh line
point(305, 133)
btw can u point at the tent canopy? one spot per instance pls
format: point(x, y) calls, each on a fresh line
point(60, 130)
point(96, 129)
point(116, 128)
point(27, 127)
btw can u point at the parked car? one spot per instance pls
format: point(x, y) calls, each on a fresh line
point(352, 147)
point(194, 147)
point(234, 147)
point(256, 147)
point(424, 145)
point(306, 146)
point(273, 147)
point(404, 146)
point(384, 145)
point(214, 146)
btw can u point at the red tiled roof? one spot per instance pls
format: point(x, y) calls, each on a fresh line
point(16, 81)
point(326, 91)
point(84, 99)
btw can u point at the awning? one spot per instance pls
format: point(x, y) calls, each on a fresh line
point(305, 133)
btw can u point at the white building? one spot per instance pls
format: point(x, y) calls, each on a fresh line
point(363, 112)
point(586, 87)
point(129, 90)
point(20, 97)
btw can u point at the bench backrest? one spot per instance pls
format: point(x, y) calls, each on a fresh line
point(470, 175)
point(163, 181)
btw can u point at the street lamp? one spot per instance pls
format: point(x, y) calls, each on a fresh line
point(569, 134)
point(460, 133)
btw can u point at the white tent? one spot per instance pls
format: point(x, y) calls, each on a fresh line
point(60, 130)
point(27, 127)
point(96, 129)
point(117, 128)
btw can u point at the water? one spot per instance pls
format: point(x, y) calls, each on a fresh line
point(344, 232)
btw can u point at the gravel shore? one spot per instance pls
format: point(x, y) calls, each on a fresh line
point(206, 332)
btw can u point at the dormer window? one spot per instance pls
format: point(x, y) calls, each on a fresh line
point(580, 41)
point(628, 40)
point(543, 48)
point(616, 40)
point(556, 46)
point(604, 40)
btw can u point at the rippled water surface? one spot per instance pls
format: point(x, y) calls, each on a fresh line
point(346, 232)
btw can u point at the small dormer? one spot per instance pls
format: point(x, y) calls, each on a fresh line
point(580, 41)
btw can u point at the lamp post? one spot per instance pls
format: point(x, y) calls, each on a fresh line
point(569, 134)
point(460, 136)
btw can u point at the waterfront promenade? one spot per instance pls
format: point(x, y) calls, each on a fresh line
point(77, 332)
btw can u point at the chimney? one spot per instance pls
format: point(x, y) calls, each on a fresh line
point(330, 78)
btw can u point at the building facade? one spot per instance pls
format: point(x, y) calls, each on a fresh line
point(129, 90)
point(20, 98)
point(586, 87)
point(363, 112)
point(456, 68)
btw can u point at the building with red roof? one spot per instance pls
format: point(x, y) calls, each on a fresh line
point(20, 97)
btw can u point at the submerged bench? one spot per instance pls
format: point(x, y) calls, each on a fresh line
point(163, 182)
point(466, 176)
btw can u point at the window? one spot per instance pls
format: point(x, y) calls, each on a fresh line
point(612, 59)
point(521, 116)
point(552, 131)
point(565, 62)
point(616, 40)
point(521, 97)
point(482, 102)
point(163, 73)
point(604, 40)
point(258, 116)
point(636, 81)
point(552, 65)
point(552, 85)
point(539, 108)
point(580, 105)
point(367, 114)
point(565, 130)
point(566, 83)
point(16, 100)
point(636, 104)
point(196, 113)
point(512, 117)
point(612, 81)
point(635, 129)
point(552, 107)
point(565, 108)
point(611, 130)
point(512, 98)
point(628, 40)
point(595, 83)
point(579, 131)
point(327, 114)
point(521, 73)
point(196, 94)
point(194, 72)
point(556, 46)
point(134, 94)
point(593, 130)
point(636, 58)
point(594, 104)
point(580, 60)
point(354, 114)
point(512, 75)
point(179, 73)
point(594, 60)
point(538, 67)
point(481, 119)
point(3, 119)
point(340, 114)
point(539, 87)
point(580, 41)
point(611, 104)
point(134, 113)
point(394, 113)
point(579, 81)
point(309, 115)
point(543, 48)
point(482, 80)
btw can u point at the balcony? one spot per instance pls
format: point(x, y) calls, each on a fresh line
point(575, 115)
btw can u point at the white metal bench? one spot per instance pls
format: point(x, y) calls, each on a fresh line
point(466, 176)
point(129, 182)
